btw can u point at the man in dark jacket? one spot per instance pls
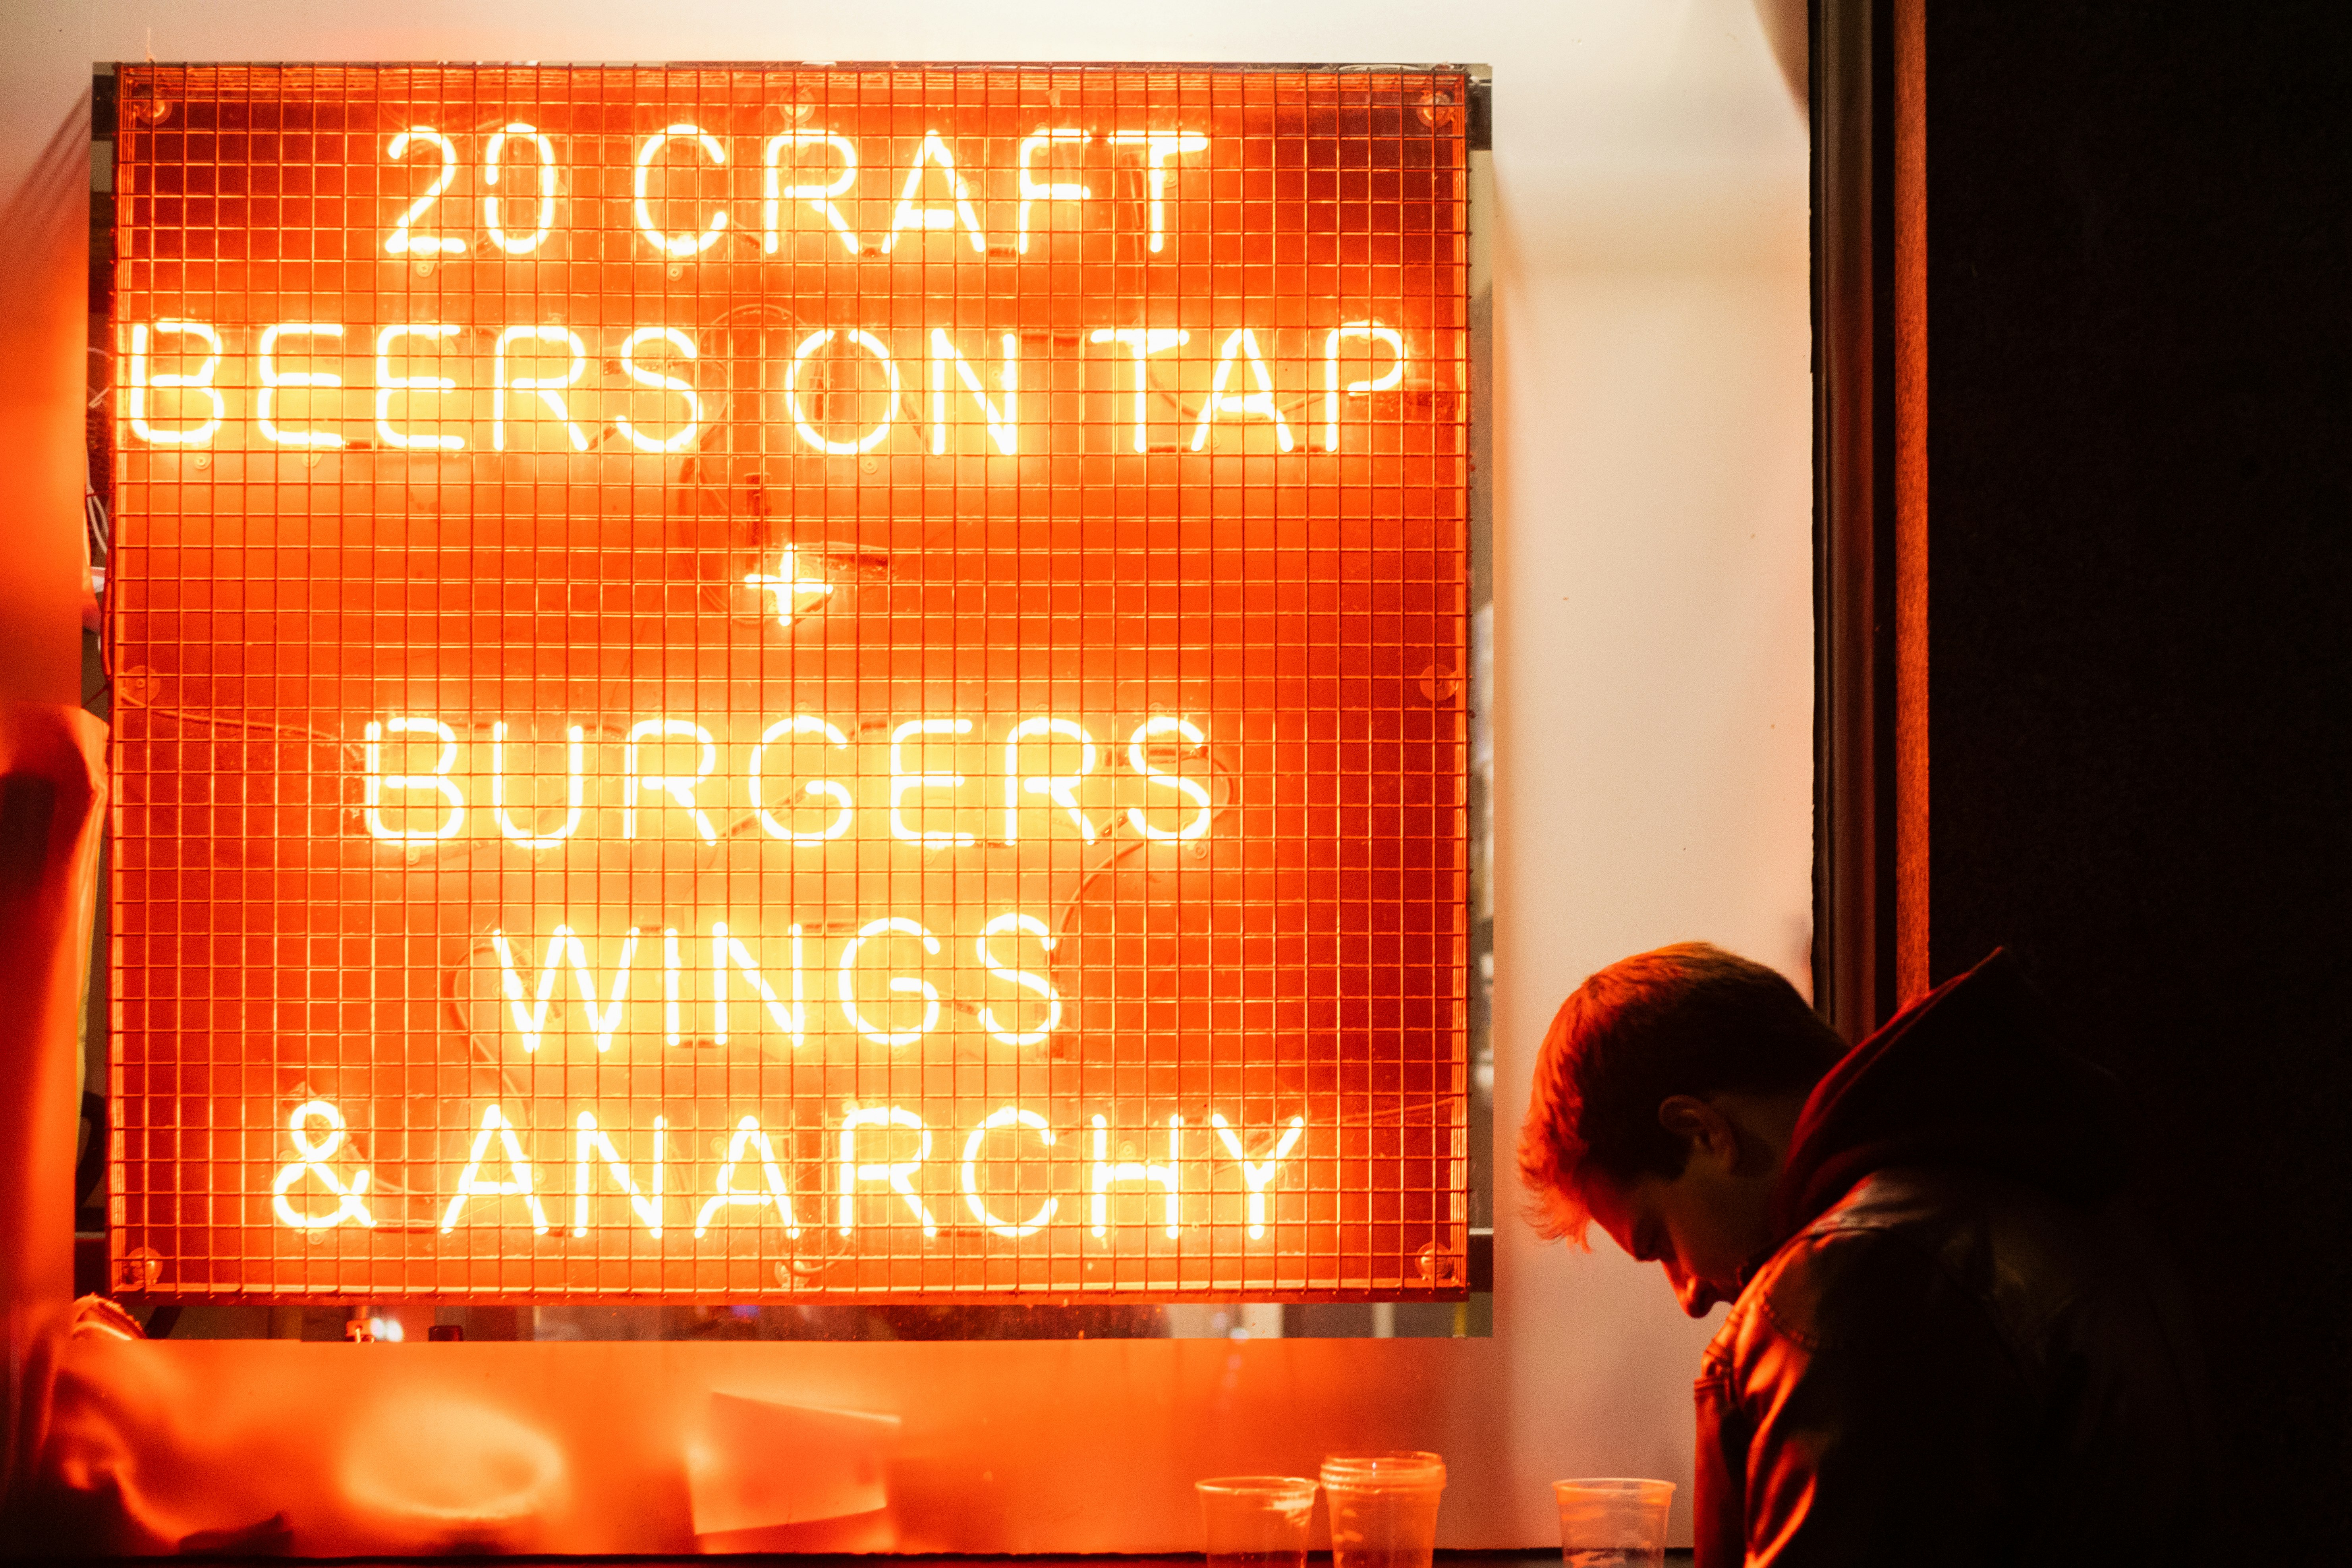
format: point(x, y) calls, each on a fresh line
point(1947, 1344)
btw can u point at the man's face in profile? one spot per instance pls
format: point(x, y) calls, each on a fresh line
point(1697, 1226)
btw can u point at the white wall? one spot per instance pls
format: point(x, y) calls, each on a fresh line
point(1653, 732)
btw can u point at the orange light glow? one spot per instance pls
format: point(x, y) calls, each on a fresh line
point(847, 678)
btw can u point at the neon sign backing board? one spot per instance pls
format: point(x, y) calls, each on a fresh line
point(834, 683)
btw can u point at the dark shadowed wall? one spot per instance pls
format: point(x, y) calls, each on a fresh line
point(2138, 293)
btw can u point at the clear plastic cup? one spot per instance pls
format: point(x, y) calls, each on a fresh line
point(1614, 1523)
point(1256, 1522)
point(1383, 1509)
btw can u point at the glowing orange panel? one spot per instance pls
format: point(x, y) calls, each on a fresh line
point(840, 684)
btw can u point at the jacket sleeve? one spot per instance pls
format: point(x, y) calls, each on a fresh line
point(1888, 1420)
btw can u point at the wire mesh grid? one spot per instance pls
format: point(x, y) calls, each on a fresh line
point(789, 682)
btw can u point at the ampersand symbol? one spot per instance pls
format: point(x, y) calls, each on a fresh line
point(313, 1161)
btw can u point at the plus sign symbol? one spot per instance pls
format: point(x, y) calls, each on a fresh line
point(793, 586)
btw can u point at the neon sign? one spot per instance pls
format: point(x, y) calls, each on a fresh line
point(834, 683)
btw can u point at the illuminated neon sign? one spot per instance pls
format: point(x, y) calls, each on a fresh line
point(835, 683)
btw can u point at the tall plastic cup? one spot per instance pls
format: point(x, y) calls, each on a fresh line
point(1383, 1509)
point(1256, 1522)
point(1614, 1523)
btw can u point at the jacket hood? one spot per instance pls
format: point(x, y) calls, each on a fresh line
point(1965, 1076)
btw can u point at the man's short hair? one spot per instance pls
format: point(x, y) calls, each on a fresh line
point(1687, 1020)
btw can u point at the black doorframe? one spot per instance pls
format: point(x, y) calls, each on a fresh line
point(1855, 895)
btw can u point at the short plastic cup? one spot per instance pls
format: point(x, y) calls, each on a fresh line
point(1614, 1523)
point(1256, 1522)
point(1383, 1509)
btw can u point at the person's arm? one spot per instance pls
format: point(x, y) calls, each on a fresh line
point(1890, 1422)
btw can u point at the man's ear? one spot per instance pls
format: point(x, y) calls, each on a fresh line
point(1702, 1127)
